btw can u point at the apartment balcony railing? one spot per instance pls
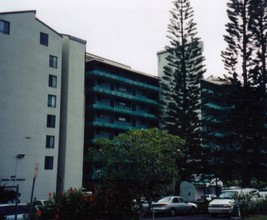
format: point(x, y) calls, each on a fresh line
point(121, 95)
point(121, 110)
point(110, 125)
point(121, 79)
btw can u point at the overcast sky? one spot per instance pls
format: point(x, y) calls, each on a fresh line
point(129, 31)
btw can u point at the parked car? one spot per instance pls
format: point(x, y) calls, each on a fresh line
point(226, 203)
point(263, 194)
point(208, 197)
point(40, 203)
point(8, 211)
point(173, 205)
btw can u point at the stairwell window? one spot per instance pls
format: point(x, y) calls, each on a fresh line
point(50, 141)
point(51, 102)
point(4, 26)
point(49, 163)
point(52, 81)
point(51, 121)
point(53, 61)
point(43, 39)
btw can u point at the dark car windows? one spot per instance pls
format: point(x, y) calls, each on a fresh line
point(175, 200)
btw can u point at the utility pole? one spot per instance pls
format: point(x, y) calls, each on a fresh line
point(33, 184)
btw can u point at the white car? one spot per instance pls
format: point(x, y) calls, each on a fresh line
point(208, 197)
point(9, 211)
point(173, 205)
point(40, 203)
point(225, 203)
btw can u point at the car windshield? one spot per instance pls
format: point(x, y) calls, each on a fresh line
point(228, 195)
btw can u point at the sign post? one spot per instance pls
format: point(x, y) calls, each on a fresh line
point(17, 198)
point(36, 168)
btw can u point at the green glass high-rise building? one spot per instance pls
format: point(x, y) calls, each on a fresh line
point(117, 99)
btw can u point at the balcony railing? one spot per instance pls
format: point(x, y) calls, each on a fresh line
point(121, 95)
point(121, 79)
point(121, 110)
point(110, 125)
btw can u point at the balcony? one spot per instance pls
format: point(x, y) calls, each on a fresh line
point(122, 110)
point(121, 79)
point(110, 125)
point(109, 92)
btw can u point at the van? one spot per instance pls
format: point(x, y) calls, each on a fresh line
point(226, 203)
point(9, 211)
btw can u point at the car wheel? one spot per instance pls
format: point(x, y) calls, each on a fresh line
point(172, 212)
point(193, 211)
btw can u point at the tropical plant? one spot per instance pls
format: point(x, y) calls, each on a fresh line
point(73, 204)
point(135, 163)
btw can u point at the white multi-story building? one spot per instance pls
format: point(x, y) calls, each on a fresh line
point(42, 106)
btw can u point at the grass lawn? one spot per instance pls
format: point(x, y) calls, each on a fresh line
point(257, 217)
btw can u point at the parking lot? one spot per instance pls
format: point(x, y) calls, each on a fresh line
point(186, 217)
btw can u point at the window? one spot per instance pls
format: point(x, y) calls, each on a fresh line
point(122, 119)
point(51, 121)
point(50, 141)
point(44, 39)
point(122, 89)
point(49, 163)
point(51, 102)
point(53, 61)
point(52, 82)
point(122, 104)
point(4, 27)
point(175, 200)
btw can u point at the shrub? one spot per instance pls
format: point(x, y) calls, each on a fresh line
point(260, 206)
point(250, 204)
point(7, 195)
point(245, 203)
point(73, 204)
point(111, 203)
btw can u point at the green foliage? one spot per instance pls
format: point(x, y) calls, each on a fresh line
point(253, 205)
point(7, 195)
point(260, 206)
point(230, 183)
point(245, 63)
point(181, 82)
point(110, 204)
point(245, 202)
point(256, 217)
point(116, 202)
point(138, 159)
point(73, 204)
point(257, 184)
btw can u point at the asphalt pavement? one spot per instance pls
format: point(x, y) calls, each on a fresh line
point(186, 217)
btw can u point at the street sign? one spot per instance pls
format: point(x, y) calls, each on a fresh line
point(36, 169)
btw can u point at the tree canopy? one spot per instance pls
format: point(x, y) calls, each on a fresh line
point(139, 159)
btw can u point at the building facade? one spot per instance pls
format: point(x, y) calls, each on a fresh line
point(42, 105)
point(215, 108)
point(117, 99)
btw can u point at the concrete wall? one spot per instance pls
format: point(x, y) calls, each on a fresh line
point(24, 90)
point(72, 114)
point(188, 191)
